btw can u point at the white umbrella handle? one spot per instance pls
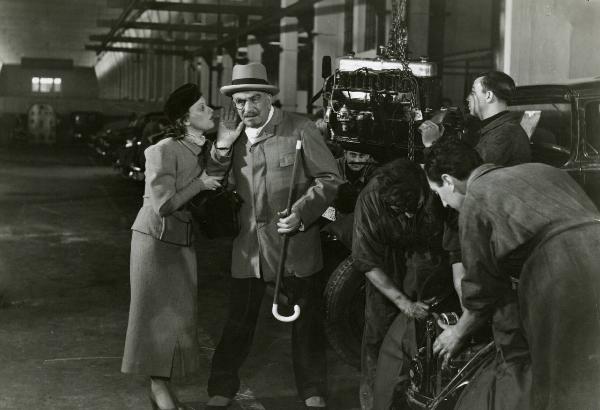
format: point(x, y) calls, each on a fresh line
point(281, 318)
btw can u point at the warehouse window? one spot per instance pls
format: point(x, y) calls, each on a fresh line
point(46, 85)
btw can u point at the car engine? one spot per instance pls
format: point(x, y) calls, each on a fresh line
point(374, 105)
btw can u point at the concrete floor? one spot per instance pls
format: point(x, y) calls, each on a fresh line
point(64, 296)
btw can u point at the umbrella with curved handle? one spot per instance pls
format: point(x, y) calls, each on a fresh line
point(284, 245)
point(282, 318)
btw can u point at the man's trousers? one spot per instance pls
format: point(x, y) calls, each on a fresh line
point(308, 337)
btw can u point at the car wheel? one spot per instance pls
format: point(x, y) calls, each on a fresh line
point(345, 311)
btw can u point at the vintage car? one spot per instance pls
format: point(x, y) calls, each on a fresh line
point(106, 141)
point(83, 124)
point(563, 124)
point(143, 132)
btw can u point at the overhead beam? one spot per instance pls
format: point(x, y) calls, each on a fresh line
point(153, 41)
point(133, 4)
point(195, 28)
point(299, 7)
point(207, 8)
point(271, 15)
point(97, 48)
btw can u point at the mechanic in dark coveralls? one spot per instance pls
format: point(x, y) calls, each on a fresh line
point(398, 244)
point(541, 212)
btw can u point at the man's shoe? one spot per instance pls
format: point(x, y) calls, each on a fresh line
point(218, 403)
point(316, 402)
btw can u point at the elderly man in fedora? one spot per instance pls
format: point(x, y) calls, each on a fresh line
point(260, 152)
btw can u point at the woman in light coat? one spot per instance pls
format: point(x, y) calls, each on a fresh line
point(161, 336)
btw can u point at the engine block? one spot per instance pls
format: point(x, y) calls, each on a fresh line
point(373, 105)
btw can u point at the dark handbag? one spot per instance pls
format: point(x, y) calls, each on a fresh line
point(216, 213)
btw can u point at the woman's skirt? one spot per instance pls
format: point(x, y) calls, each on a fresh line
point(161, 334)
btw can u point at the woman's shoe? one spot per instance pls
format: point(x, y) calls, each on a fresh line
point(155, 405)
point(178, 405)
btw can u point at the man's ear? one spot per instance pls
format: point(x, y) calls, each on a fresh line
point(458, 185)
point(269, 97)
point(448, 179)
point(490, 97)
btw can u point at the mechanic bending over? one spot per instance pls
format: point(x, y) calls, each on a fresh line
point(398, 244)
point(541, 213)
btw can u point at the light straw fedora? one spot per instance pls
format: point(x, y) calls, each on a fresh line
point(249, 77)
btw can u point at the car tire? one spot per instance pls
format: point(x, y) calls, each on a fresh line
point(344, 311)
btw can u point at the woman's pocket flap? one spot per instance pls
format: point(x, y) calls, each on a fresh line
point(176, 231)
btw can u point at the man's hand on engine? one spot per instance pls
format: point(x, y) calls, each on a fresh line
point(414, 310)
point(229, 128)
point(430, 132)
point(448, 343)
